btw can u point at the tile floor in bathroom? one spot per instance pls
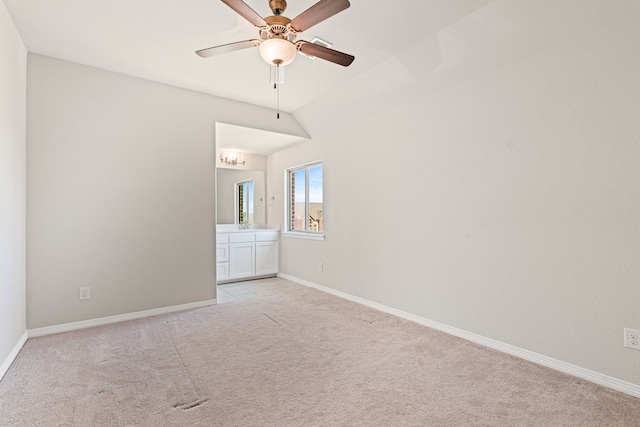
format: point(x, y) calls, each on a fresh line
point(251, 289)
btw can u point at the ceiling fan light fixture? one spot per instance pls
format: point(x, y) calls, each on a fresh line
point(278, 51)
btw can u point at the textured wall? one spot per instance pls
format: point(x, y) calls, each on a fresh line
point(13, 141)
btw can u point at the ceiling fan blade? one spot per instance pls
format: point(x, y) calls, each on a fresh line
point(226, 48)
point(317, 13)
point(327, 54)
point(246, 12)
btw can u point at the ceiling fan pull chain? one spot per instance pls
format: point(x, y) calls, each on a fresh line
point(276, 85)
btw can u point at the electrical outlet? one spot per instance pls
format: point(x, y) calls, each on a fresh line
point(85, 293)
point(632, 338)
point(320, 267)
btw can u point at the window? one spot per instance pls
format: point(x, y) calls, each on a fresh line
point(244, 199)
point(305, 210)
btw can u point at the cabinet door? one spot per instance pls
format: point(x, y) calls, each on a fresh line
point(242, 260)
point(267, 258)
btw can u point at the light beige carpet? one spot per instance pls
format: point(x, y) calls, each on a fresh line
point(292, 357)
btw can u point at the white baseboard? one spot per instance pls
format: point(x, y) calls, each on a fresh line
point(66, 327)
point(12, 356)
point(558, 365)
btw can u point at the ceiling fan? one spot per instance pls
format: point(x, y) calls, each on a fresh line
point(277, 42)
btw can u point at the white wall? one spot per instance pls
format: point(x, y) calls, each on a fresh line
point(13, 95)
point(121, 182)
point(506, 204)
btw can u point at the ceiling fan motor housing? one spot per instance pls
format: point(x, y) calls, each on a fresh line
point(278, 6)
point(278, 28)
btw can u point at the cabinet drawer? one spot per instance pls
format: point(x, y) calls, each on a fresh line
point(222, 253)
point(242, 237)
point(267, 236)
point(222, 238)
point(222, 271)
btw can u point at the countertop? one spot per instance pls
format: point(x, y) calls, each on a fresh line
point(255, 228)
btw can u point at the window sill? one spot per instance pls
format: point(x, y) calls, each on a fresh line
point(307, 236)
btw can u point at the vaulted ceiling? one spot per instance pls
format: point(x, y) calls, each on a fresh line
point(157, 40)
point(403, 49)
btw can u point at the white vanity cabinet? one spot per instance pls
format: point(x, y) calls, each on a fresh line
point(247, 254)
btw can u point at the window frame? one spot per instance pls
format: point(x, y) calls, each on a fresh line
point(301, 234)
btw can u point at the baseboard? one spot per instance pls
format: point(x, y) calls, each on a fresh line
point(66, 327)
point(12, 356)
point(558, 365)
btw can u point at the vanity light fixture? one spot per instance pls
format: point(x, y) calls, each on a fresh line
point(232, 158)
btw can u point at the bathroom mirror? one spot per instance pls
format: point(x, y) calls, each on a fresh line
point(232, 196)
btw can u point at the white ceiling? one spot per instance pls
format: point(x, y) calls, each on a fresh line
point(157, 40)
point(255, 141)
point(403, 49)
